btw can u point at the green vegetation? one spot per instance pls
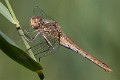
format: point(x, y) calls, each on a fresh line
point(92, 24)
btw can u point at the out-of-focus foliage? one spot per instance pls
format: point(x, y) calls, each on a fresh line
point(5, 12)
point(92, 24)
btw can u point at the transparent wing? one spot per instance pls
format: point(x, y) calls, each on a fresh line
point(37, 11)
point(40, 47)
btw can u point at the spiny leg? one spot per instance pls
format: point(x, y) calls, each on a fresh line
point(47, 41)
point(30, 39)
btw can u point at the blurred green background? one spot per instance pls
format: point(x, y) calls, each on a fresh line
point(92, 24)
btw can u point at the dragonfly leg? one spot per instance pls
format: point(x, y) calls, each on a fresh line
point(33, 38)
point(30, 39)
point(27, 31)
point(48, 42)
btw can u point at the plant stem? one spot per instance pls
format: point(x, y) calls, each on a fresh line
point(20, 30)
point(12, 13)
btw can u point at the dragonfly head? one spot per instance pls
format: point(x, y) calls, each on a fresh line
point(35, 22)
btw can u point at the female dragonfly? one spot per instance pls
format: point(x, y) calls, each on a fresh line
point(47, 36)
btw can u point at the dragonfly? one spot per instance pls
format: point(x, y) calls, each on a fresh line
point(47, 36)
